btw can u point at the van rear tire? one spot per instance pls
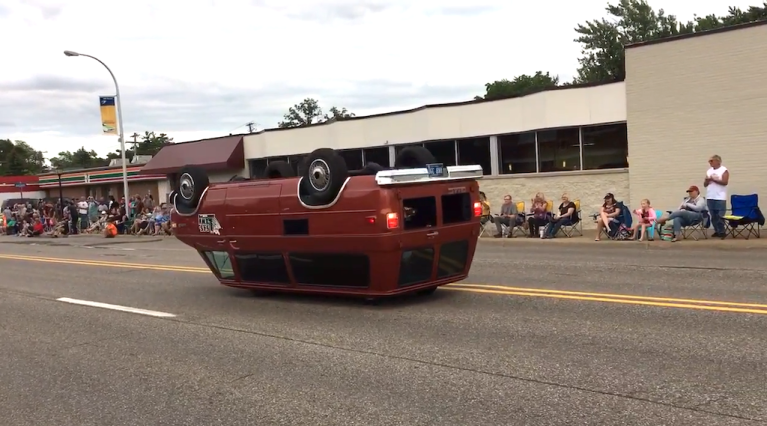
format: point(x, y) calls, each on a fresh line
point(323, 177)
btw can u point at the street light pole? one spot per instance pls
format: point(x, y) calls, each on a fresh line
point(118, 102)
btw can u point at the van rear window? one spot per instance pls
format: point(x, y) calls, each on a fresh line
point(415, 266)
point(331, 269)
point(456, 208)
point(420, 212)
point(452, 258)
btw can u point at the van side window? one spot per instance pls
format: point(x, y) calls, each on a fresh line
point(268, 268)
point(221, 263)
point(331, 269)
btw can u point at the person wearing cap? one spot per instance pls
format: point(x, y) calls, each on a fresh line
point(691, 211)
point(607, 213)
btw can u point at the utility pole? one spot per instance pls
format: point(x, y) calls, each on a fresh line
point(251, 125)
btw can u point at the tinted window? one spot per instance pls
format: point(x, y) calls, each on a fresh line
point(419, 212)
point(475, 151)
point(221, 263)
point(517, 153)
point(353, 158)
point(415, 266)
point(263, 268)
point(443, 152)
point(377, 155)
point(456, 208)
point(559, 150)
point(452, 258)
point(331, 269)
point(605, 147)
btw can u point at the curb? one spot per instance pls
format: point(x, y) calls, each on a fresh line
point(741, 245)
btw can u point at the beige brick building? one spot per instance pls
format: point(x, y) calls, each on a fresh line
point(689, 98)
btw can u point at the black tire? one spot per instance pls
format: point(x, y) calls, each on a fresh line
point(324, 176)
point(372, 168)
point(192, 182)
point(414, 157)
point(427, 291)
point(278, 170)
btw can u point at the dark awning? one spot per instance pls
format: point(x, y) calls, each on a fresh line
point(210, 154)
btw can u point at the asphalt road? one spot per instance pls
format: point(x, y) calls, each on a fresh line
point(500, 351)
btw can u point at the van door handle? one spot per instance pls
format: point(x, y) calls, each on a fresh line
point(231, 244)
point(221, 241)
point(432, 234)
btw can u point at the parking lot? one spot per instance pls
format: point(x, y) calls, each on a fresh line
point(542, 333)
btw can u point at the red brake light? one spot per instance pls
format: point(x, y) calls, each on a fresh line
point(392, 220)
point(477, 209)
point(371, 220)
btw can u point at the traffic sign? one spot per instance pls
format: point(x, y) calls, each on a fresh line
point(20, 184)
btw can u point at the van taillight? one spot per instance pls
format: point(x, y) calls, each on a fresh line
point(392, 220)
point(477, 209)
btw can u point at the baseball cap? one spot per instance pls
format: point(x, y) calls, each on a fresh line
point(693, 188)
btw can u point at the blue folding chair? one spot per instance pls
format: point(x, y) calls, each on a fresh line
point(745, 217)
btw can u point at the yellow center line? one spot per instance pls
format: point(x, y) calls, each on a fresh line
point(106, 263)
point(611, 300)
point(609, 295)
point(707, 305)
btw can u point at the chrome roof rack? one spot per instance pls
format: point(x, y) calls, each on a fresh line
point(430, 173)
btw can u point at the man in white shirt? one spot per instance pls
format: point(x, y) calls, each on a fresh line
point(717, 179)
point(82, 211)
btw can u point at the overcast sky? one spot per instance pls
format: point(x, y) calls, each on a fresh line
point(203, 68)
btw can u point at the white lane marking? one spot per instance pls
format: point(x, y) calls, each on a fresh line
point(116, 307)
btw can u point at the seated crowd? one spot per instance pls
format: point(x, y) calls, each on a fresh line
point(539, 221)
point(86, 216)
point(614, 219)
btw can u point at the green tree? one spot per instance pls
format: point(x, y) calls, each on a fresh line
point(18, 158)
point(519, 86)
point(309, 112)
point(151, 143)
point(80, 159)
point(634, 21)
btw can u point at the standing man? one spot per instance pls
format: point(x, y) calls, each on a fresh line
point(717, 179)
point(82, 212)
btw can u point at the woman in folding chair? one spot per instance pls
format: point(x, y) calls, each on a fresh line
point(608, 213)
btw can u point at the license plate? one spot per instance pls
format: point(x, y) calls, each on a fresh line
point(436, 170)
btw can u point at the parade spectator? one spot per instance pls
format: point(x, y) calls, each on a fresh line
point(691, 211)
point(716, 181)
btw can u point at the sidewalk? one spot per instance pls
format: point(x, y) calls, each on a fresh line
point(82, 240)
point(589, 235)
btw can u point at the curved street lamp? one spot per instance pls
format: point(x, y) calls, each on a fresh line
point(119, 124)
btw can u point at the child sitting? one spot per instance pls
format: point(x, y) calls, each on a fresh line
point(645, 219)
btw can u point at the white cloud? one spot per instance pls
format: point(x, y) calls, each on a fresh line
point(202, 68)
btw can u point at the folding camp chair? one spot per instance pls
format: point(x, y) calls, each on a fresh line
point(700, 227)
point(575, 227)
point(483, 221)
point(624, 218)
point(522, 214)
point(745, 217)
